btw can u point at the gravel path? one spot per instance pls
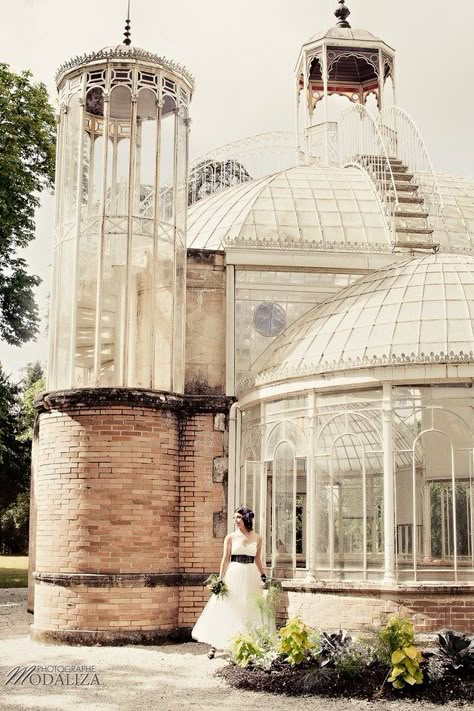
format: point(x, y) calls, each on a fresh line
point(168, 678)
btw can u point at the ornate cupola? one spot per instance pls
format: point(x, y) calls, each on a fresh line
point(342, 61)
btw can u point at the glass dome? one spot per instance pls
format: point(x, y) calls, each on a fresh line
point(416, 311)
point(314, 207)
point(309, 207)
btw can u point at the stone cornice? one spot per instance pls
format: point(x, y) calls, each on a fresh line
point(101, 398)
point(121, 580)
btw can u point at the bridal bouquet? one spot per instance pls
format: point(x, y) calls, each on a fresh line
point(217, 585)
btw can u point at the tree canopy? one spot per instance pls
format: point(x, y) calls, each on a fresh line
point(17, 415)
point(27, 155)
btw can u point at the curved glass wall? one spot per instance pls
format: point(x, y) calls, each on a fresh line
point(119, 263)
point(313, 468)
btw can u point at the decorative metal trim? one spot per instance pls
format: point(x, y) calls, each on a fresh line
point(307, 245)
point(335, 55)
point(284, 372)
point(127, 54)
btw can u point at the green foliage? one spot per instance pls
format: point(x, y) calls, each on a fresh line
point(396, 648)
point(217, 586)
point(33, 384)
point(396, 634)
point(406, 667)
point(296, 640)
point(14, 454)
point(16, 428)
point(268, 604)
point(14, 525)
point(27, 147)
point(245, 650)
point(352, 659)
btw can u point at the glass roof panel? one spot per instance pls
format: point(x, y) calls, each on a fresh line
point(352, 326)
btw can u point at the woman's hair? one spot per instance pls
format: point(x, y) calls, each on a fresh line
point(247, 517)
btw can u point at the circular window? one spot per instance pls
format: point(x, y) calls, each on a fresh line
point(269, 319)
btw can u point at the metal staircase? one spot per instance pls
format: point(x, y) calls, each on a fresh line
point(411, 226)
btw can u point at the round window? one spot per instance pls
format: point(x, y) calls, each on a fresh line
point(269, 319)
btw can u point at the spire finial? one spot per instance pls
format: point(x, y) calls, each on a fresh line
point(127, 32)
point(342, 13)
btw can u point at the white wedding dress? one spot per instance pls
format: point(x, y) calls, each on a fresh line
point(225, 617)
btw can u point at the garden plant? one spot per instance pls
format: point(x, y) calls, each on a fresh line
point(300, 660)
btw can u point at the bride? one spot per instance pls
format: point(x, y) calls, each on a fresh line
point(242, 571)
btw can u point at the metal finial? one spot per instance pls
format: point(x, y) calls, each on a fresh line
point(342, 13)
point(128, 32)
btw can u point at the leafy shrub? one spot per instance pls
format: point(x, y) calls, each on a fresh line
point(352, 659)
point(406, 667)
point(456, 650)
point(435, 668)
point(396, 634)
point(332, 643)
point(296, 641)
point(245, 650)
point(396, 648)
point(266, 661)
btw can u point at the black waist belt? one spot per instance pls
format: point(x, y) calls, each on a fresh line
point(242, 558)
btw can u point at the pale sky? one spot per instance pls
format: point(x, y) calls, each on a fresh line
point(243, 56)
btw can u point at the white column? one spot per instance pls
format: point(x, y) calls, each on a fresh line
point(381, 80)
point(310, 495)
point(230, 330)
point(325, 100)
point(77, 237)
point(426, 521)
point(388, 486)
point(308, 107)
point(100, 250)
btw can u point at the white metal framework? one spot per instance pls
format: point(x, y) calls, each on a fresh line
point(117, 312)
point(373, 485)
point(361, 144)
point(404, 141)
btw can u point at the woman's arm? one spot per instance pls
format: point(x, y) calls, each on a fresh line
point(226, 555)
point(258, 557)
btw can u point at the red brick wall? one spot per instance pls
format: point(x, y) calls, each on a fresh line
point(429, 610)
point(201, 497)
point(125, 490)
point(107, 491)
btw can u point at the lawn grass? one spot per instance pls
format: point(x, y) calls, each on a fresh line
point(13, 571)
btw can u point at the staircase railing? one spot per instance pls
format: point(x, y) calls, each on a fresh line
point(361, 144)
point(236, 163)
point(404, 141)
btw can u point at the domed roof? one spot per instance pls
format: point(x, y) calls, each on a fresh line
point(308, 207)
point(125, 53)
point(345, 33)
point(418, 311)
point(316, 207)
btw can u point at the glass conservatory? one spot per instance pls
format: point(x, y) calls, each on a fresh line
point(357, 431)
point(117, 312)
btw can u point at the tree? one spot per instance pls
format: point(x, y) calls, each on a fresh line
point(17, 416)
point(27, 154)
point(32, 384)
point(14, 454)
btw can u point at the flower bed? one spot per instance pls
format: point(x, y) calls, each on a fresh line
point(308, 680)
point(387, 664)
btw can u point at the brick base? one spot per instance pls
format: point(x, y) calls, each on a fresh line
point(126, 494)
point(355, 608)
